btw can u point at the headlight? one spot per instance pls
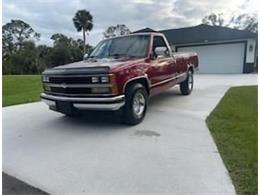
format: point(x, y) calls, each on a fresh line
point(45, 78)
point(104, 79)
point(95, 79)
point(98, 90)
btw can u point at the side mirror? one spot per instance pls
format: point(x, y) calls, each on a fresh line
point(85, 57)
point(160, 52)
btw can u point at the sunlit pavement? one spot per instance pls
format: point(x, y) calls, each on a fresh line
point(171, 151)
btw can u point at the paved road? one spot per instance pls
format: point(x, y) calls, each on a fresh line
point(13, 186)
point(172, 151)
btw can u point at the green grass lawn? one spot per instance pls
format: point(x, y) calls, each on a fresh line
point(20, 89)
point(233, 124)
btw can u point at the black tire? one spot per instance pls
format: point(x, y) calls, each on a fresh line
point(70, 115)
point(187, 85)
point(130, 115)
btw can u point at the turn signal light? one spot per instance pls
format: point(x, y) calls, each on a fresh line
point(114, 89)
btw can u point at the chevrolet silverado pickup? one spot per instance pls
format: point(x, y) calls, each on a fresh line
point(120, 74)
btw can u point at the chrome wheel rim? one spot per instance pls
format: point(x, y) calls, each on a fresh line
point(138, 104)
point(190, 81)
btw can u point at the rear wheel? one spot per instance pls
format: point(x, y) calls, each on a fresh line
point(135, 105)
point(187, 85)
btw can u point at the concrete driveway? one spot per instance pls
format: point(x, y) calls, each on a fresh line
point(171, 152)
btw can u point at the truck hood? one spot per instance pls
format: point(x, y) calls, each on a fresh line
point(92, 66)
point(106, 62)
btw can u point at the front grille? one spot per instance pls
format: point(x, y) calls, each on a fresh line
point(72, 85)
point(70, 80)
point(71, 90)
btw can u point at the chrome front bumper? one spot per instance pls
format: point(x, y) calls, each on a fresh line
point(85, 103)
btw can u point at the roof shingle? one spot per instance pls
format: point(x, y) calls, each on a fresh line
point(202, 33)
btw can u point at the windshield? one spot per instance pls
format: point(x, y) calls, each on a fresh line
point(128, 46)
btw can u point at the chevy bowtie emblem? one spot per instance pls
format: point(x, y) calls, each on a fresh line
point(63, 85)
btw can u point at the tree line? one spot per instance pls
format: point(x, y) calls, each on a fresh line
point(22, 55)
point(248, 22)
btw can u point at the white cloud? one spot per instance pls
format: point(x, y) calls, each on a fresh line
point(143, 1)
point(51, 16)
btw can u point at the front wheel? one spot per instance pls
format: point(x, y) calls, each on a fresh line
point(136, 104)
point(187, 85)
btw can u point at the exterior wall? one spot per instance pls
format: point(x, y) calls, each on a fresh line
point(250, 56)
point(248, 68)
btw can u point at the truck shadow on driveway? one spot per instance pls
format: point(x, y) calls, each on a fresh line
point(169, 95)
point(109, 119)
point(102, 118)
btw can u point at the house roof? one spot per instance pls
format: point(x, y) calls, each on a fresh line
point(145, 30)
point(203, 33)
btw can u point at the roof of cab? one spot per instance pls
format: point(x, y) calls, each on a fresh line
point(135, 34)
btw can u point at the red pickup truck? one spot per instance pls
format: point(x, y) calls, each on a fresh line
point(120, 74)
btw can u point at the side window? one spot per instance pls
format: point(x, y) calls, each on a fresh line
point(159, 47)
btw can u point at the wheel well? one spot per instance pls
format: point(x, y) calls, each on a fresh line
point(143, 81)
point(191, 68)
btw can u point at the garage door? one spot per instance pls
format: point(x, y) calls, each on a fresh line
point(224, 58)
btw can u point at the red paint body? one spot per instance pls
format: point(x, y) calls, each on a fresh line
point(160, 74)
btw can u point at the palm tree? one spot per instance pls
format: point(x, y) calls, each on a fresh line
point(83, 21)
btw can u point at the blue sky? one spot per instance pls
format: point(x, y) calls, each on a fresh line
point(55, 16)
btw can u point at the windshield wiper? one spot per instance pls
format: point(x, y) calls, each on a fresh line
point(91, 57)
point(116, 56)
